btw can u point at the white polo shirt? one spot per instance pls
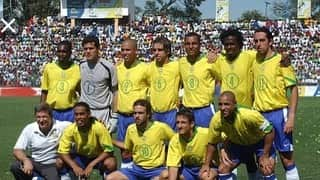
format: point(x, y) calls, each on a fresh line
point(43, 148)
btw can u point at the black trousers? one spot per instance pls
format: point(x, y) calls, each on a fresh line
point(47, 171)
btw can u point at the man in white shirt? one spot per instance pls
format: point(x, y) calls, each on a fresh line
point(41, 139)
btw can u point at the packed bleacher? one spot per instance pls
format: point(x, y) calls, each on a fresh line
point(24, 54)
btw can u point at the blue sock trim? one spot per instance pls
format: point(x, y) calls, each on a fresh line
point(270, 177)
point(290, 167)
point(225, 176)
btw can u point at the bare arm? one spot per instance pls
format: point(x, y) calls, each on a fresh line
point(173, 173)
point(211, 148)
point(265, 162)
point(78, 88)
point(100, 158)
point(43, 97)
point(115, 99)
point(118, 144)
point(293, 101)
point(20, 155)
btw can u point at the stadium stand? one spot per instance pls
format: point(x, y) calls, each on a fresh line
point(24, 54)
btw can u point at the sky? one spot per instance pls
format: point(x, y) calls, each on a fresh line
point(237, 7)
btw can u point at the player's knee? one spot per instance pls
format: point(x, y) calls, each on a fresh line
point(211, 175)
point(14, 167)
point(164, 175)
point(117, 175)
point(286, 158)
point(110, 164)
point(59, 163)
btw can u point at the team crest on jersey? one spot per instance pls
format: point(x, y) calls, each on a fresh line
point(126, 86)
point(159, 84)
point(144, 150)
point(89, 87)
point(232, 80)
point(261, 83)
point(192, 82)
point(62, 87)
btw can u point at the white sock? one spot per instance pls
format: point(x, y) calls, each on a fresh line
point(226, 176)
point(126, 165)
point(292, 174)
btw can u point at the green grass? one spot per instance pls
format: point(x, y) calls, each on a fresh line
point(15, 113)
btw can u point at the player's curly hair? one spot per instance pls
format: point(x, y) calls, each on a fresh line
point(232, 32)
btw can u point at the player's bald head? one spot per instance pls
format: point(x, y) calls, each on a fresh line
point(229, 95)
point(131, 43)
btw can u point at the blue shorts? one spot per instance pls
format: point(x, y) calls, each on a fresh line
point(83, 161)
point(67, 115)
point(278, 118)
point(139, 173)
point(203, 115)
point(190, 172)
point(168, 117)
point(243, 154)
point(123, 123)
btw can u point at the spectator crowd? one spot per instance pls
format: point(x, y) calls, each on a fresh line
point(24, 54)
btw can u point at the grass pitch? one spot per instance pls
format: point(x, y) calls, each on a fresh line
point(16, 112)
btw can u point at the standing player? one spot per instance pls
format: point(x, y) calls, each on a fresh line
point(187, 149)
point(146, 140)
point(198, 81)
point(272, 81)
point(164, 82)
point(60, 82)
point(247, 133)
point(99, 84)
point(133, 85)
point(235, 68)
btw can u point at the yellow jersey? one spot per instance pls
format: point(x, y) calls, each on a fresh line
point(148, 147)
point(237, 77)
point(248, 127)
point(188, 152)
point(89, 143)
point(270, 83)
point(198, 82)
point(61, 85)
point(164, 86)
point(133, 85)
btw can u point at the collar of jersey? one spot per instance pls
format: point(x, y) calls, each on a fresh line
point(149, 124)
point(273, 55)
point(195, 131)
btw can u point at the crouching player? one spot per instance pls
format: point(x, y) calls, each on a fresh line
point(145, 139)
point(86, 144)
point(187, 149)
point(248, 133)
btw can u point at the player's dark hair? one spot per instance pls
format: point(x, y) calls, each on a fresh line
point(82, 104)
point(90, 39)
point(266, 31)
point(192, 34)
point(145, 103)
point(187, 113)
point(67, 44)
point(165, 42)
point(232, 32)
point(43, 107)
